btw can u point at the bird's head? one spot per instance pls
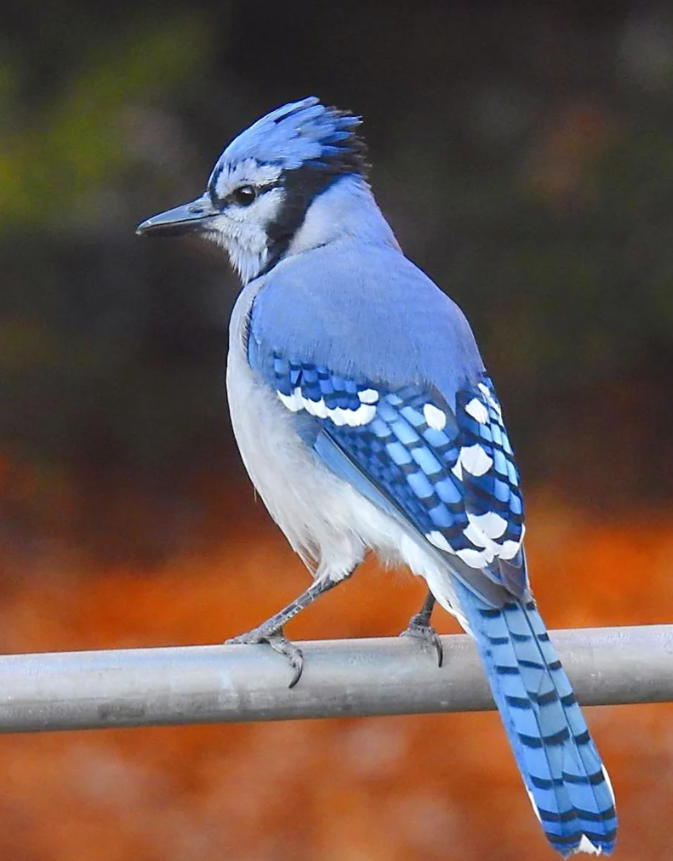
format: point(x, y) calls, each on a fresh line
point(264, 182)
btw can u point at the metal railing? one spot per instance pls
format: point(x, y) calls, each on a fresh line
point(206, 684)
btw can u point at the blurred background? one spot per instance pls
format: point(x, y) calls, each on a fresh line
point(524, 154)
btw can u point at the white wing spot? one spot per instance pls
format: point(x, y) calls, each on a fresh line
point(364, 414)
point(368, 396)
point(435, 418)
point(475, 460)
point(476, 558)
point(314, 408)
point(293, 402)
point(486, 549)
point(439, 541)
point(360, 416)
point(486, 392)
point(477, 536)
point(477, 410)
point(337, 416)
point(509, 549)
point(491, 523)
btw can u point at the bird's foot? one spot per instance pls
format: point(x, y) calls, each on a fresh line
point(419, 629)
point(278, 643)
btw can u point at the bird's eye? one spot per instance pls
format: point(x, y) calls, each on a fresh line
point(244, 195)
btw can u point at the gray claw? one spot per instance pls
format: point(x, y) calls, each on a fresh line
point(293, 654)
point(427, 635)
point(278, 643)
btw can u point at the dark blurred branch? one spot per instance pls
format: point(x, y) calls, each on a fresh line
point(204, 684)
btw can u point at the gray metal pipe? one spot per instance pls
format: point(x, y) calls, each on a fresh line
point(206, 684)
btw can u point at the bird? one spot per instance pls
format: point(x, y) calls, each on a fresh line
point(367, 421)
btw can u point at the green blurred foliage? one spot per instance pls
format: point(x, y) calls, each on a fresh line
point(71, 143)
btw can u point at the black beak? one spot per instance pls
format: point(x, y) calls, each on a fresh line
point(188, 218)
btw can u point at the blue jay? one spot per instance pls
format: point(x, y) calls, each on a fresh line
point(366, 420)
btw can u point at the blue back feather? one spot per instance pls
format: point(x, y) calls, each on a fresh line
point(330, 306)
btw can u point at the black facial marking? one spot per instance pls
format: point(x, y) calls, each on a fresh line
point(304, 184)
point(301, 187)
point(212, 185)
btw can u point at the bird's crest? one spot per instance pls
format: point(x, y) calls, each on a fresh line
point(301, 134)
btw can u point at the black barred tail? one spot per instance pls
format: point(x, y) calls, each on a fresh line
point(566, 781)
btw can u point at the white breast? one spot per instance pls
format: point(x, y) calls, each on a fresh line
point(311, 505)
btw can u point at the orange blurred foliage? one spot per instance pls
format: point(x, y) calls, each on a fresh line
point(377, 789)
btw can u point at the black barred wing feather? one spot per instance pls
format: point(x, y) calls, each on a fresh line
point(451, 472)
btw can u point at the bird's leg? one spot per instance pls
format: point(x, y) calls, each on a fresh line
point(271, 631)
point(420, 628)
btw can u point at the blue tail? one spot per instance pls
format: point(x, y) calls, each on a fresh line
point(558, 760)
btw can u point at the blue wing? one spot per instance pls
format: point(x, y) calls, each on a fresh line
point(448, 471)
